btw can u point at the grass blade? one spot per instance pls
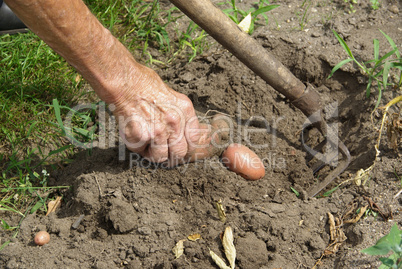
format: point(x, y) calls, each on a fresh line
point(397, 65)
point(31, 128)
point(376, 49)
point(7, 208)
point(38, 205)
point(392, 43)
point(343, 44)
point(379, 96)
point(387, 55)
point(339, 65)
point(263, 10)
point(385, 74)
point(328, 193)
point(5, 244)
point(56, 107)
point(368, 87)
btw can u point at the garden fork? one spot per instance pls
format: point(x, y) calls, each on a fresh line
point(259, 60)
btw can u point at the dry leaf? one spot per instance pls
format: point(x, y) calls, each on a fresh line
point(331, 222)
point(221, 211)
point(179, 248)
point(358, 216)
point(394, 131)
point(337, 235)
point(77, 78)
point(245, 24)
point(362, 176)
point(53, 205)
point(228, 246)
point(218, 260)
point(194, 237)
point(385, 214)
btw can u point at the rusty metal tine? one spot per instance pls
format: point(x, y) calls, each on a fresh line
point(313, 191)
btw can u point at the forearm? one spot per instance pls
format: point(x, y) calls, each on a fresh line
point(72, 31)
point(155, 121)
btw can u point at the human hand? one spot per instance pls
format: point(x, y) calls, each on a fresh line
point(157, 122)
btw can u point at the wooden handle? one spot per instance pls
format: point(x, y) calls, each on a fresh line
point(244, 47)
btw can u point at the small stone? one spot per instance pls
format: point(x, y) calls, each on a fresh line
point(102, 234)
point(134, 264)
point(81, 229)
point(144, 230)
point(276, 208)
point(187, 77)
point(131, 257)
point(141, 250)
point(122, 255)
point(241, 207)
point(394, 9)
point(352, 21)
point(194, 259)
point(315, 34)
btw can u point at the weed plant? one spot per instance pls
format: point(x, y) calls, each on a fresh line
point(192, 39)
point(375, 4)
point(390, 242)
point(351, 4)
point(303, 19)
point(237, 14)
point(377, 70)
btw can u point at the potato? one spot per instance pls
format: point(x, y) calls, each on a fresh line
point(243, 161)
point(42, 238)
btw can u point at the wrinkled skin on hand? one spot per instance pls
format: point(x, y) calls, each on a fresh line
point(157, 122)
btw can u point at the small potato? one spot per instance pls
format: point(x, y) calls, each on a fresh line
point(42, 238)
point(243, 161)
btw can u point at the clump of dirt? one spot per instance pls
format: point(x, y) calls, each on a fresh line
point(134, 214)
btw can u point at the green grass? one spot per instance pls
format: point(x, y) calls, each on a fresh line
point(32, 75)
point(259, 10)
point(304, 15)
point(38, 89)
point(377, 70)
point(141, 25)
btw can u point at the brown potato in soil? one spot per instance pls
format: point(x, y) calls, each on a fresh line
point(243, 161)
point(42, 238)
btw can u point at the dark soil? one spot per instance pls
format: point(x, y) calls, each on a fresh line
point(135, 215)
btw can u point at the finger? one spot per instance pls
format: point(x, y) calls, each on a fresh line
point(193, 133)
point(135, 133)
point(176, 122)
point(157, 150)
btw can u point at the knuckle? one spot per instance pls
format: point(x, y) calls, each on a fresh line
point(186, 104)
point(159, 131)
